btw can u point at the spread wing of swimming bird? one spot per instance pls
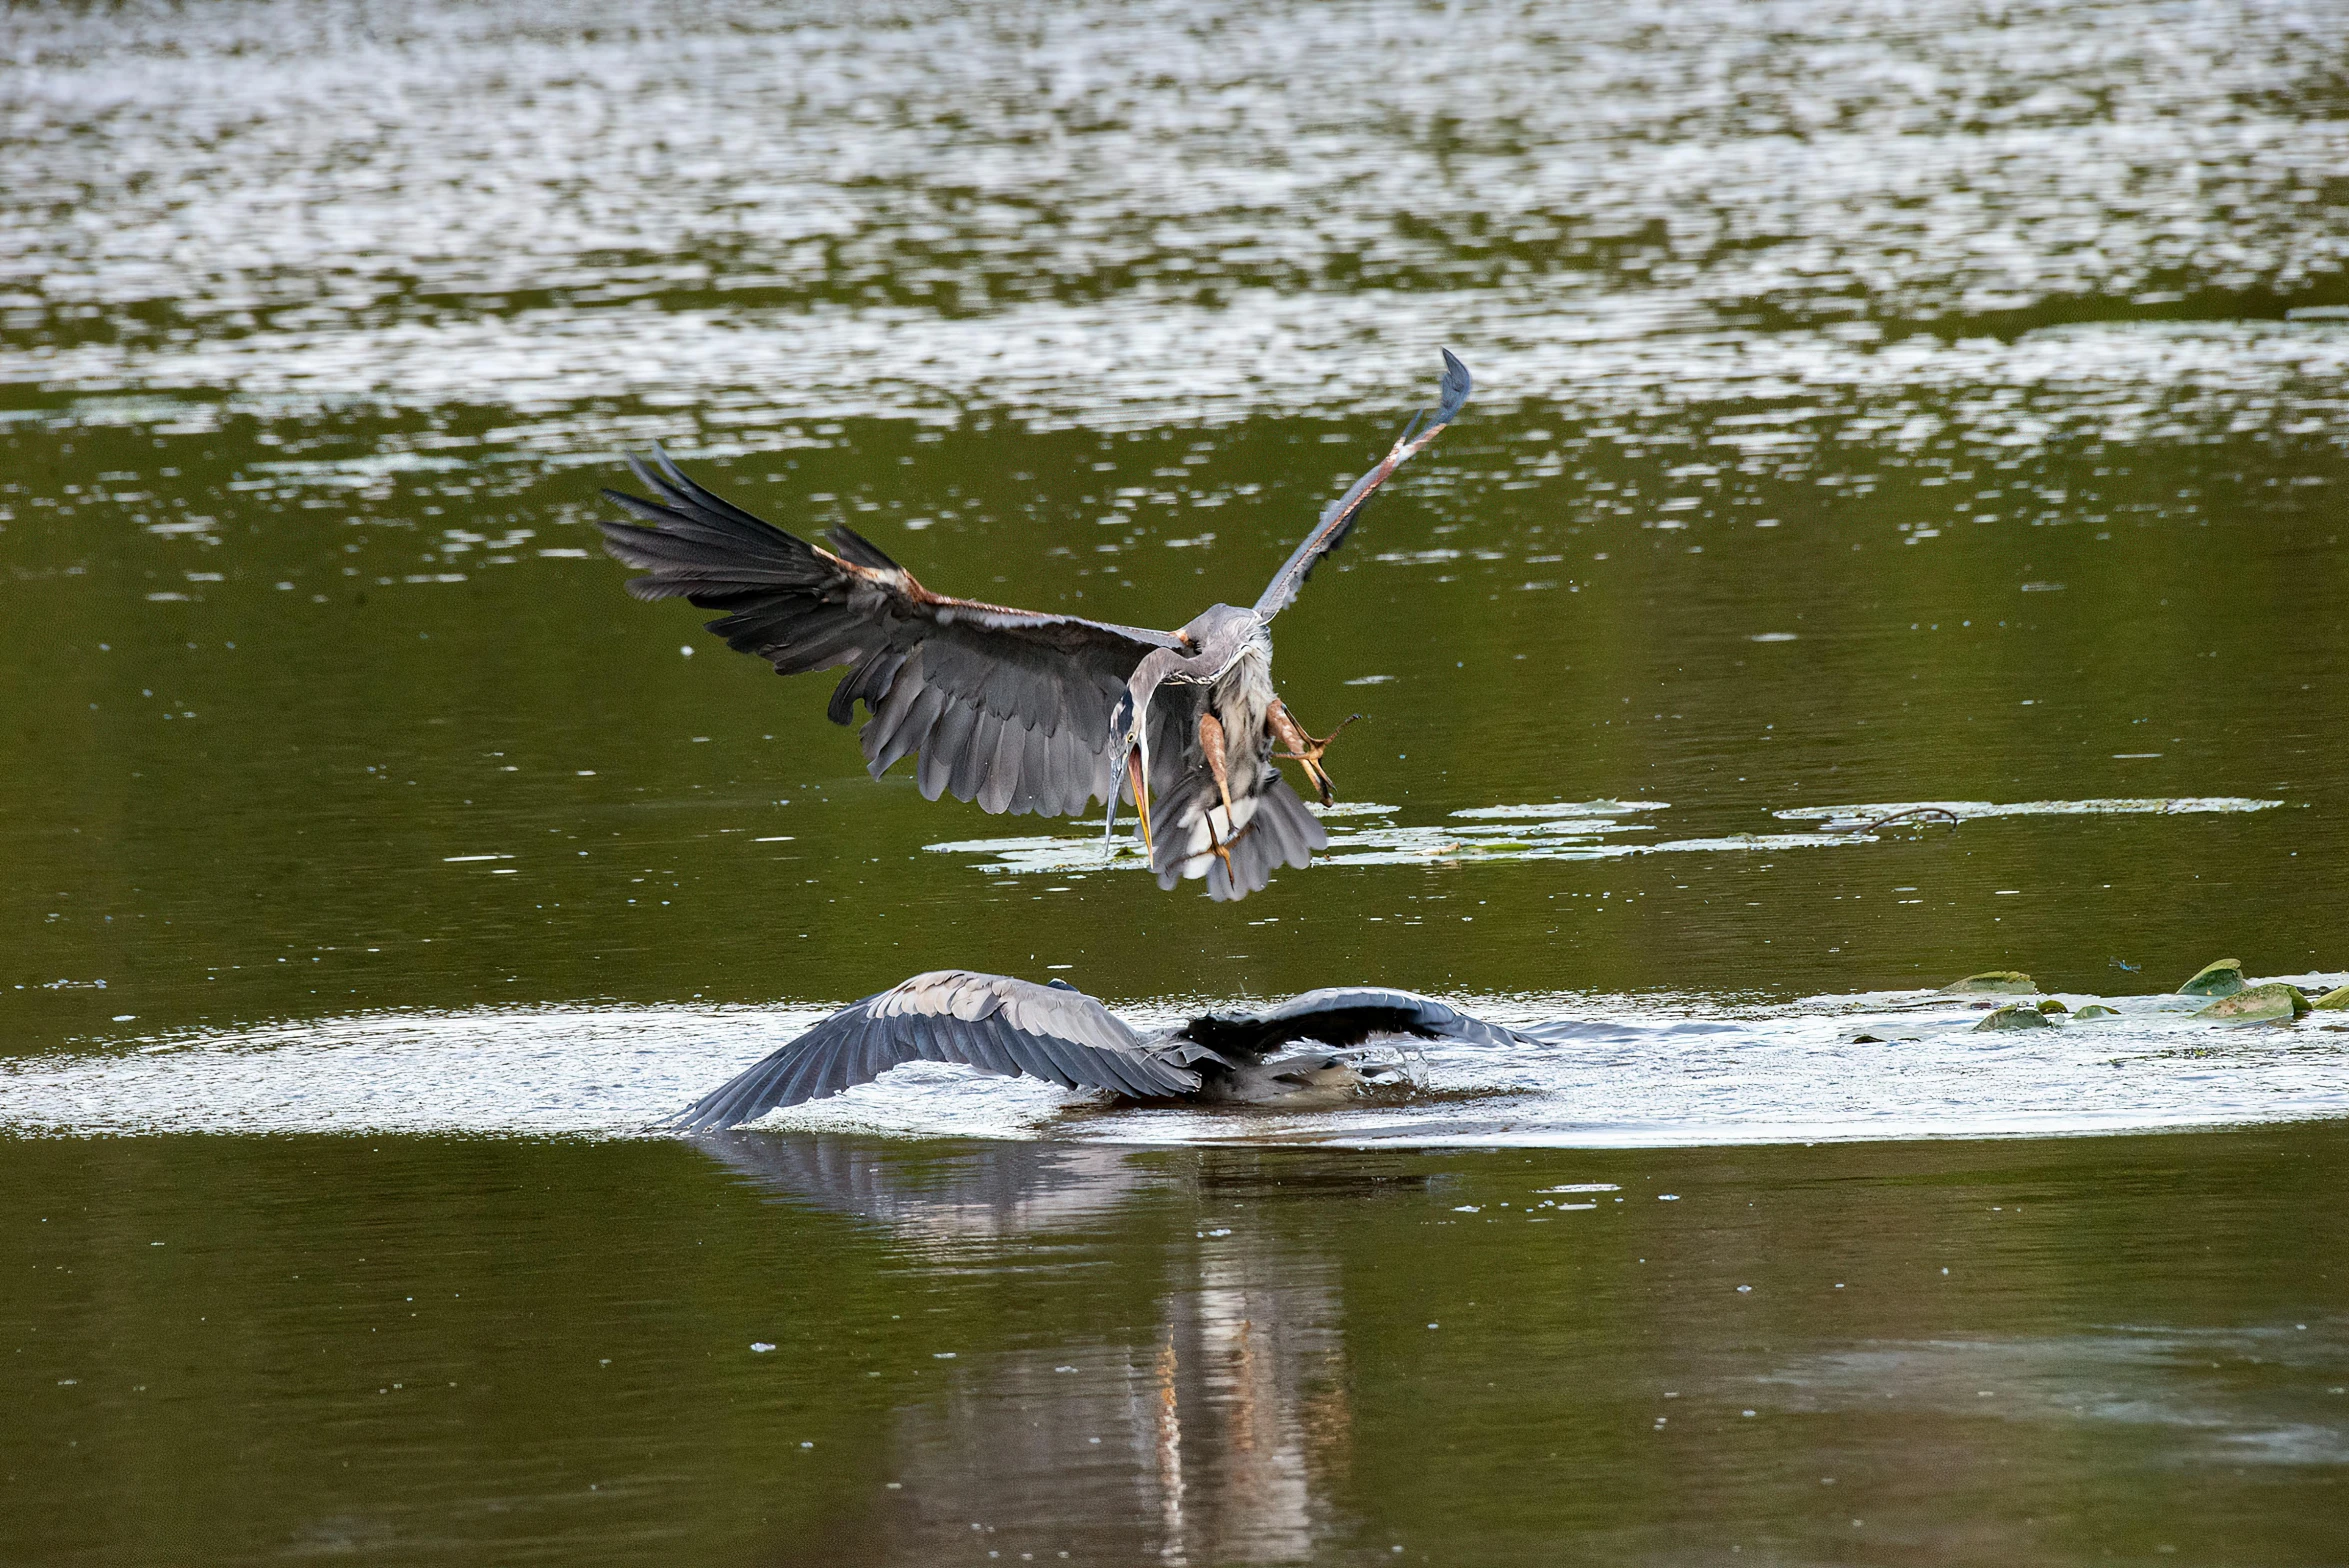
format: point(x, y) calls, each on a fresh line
point(991, 1022)
point(1056, 1032)
point(1345, 1015)
point(1020, 710)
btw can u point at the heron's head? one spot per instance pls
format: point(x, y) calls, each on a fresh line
point(1305, 1082)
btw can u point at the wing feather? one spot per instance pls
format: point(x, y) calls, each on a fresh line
point(948, 746)
point(997, 673)
point(1345, 1015)
point(1338, 518)
point(913, 723)
point(993, 1022)
point(1036, 792)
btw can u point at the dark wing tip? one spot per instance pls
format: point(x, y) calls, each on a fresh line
point(1458, 383)
point(651, 511)
point(853, 546)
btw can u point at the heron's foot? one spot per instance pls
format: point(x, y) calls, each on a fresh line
point(1223, 852)
point(1304, 749)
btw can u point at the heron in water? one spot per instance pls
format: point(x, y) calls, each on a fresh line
point(1056, 1031)
point(1022, 711)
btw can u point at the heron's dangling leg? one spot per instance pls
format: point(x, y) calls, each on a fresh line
point(1211, 743)
point(1303, 748)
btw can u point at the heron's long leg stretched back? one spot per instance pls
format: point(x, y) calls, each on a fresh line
point(1211, 747)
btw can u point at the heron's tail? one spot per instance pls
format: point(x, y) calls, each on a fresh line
point(1274, 829)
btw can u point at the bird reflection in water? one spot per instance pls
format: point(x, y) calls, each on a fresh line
point(1217, 1437)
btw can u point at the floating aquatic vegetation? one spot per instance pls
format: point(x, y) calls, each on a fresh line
point(2334, 1000)
point(2015, 1015)
point(1844, 818)
point(2052, 1005)
point(1361, 833)
point(2274, 1002)
point(2222, 978)
point(2095, 1010)
point(1993, 982)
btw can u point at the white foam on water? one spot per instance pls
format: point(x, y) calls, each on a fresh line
point(1618, 1072)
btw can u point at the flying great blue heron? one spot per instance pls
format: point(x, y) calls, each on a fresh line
point(1057, 1032)
point(1022, 711)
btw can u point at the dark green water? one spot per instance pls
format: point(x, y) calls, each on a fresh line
point(1874, 409)
point(251, 1349)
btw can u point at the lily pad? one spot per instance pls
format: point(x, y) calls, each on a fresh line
point(1993, 982)
point(2052, 1005)
point(2274, 1002)
point(2335, 1000)
point(2015, 1015)
point(2095, 1010)
point(2223, 978)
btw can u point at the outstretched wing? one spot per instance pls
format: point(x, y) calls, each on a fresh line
point(1338, 519)
point(949, 1015)
point(1006, 707)
point(1344, 1015)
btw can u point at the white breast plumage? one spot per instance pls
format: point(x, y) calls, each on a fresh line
point(1243, 694)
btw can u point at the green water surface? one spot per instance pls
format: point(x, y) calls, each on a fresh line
point(1873, 407)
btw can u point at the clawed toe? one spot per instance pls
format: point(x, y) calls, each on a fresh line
point(1305, 750)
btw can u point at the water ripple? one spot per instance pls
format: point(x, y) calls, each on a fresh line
point(1123, 217)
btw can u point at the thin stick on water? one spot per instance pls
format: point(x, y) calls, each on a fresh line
point(1898, 816)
